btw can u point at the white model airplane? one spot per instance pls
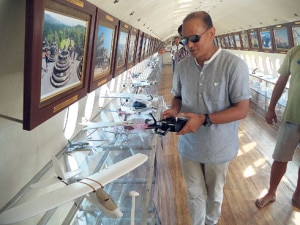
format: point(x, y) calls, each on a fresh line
point(140, 83)
point(129, 96)
point(91, 125)
point(61, 175)
point(92, 185)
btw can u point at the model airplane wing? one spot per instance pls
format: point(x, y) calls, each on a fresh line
point(91, 125)
point(70, 192)
point(61, 175)
point(128, 96)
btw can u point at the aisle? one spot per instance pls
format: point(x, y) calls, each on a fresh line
point(247, 178)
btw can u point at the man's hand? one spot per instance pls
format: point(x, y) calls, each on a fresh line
point(192, 125)
point(169, 113)
point(271, 117)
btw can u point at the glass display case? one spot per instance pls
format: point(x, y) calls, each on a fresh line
point(261, 88)
point(93, 150)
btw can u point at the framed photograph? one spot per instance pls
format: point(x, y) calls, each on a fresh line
point(222, 41)
point(226, 39)
point(216, 41)
point(122, 48)
point(58, 45)
point(144, 46)
point(295, 27)
point(106, 28)
point(254, 41)
point(282, 38)
point(237, 40)
point(245, 40)
point(132, 47)
point(231, 41)
point(266, 39)
point(139, 47)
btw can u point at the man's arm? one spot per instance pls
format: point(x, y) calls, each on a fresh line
point(174, 109)
point(236, 112)
point(276, 94)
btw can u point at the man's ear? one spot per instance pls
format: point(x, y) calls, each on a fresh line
point(212, 33)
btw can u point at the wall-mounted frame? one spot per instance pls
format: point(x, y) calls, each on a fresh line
point(216, 41)
point(282, 38)
point(222, 41)
point(266, 39)
point(245, 40)
point(295, 29)
point(122, 48)
point(106, 28)
point(139, 47)
point(237, 40)
point(231, 41)
point(144, 46)
point(56, 66)
point(226, 39)
point(132, 47)
point(254, 40)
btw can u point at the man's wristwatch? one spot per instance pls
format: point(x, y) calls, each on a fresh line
point(207, 121)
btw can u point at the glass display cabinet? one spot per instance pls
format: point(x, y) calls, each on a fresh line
point(93, 150)
point(261, 88)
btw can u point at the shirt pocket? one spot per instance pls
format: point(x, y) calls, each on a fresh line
point(216, 91)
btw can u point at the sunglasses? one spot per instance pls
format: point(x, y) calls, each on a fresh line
point(193, 38)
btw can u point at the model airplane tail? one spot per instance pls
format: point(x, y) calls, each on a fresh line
point(70, 192)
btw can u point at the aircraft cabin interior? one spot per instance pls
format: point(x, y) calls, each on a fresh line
point(83, 85)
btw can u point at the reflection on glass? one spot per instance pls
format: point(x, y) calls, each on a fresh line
point(296, 35)
point(281, 38)
point(121, 51)
point(131, 48)
point(104, 50)
point(266, 40)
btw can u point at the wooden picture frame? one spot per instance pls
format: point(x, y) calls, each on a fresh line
point(282, 38)
point(121, 49)
point(254, 40)
point(132, 47)
point(245, 40)
point(295, 31)
point(144, 46)
point(106, 28)
point(231, 41)
point(237, 40)
point(56, 65)
point(226, 40)
point(266, 39)
point(139, 47)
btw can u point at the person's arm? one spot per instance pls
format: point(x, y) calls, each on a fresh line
point(174, 109)
point(236, 112)
point(276, 94)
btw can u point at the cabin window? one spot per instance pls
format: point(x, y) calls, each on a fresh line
point(248, 61)
point(261, 65)
point(70, 120)
point(277, 64)
point(89, 105)
point(269, 65)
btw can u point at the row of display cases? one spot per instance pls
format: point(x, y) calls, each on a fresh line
point(93, 150)
point(261, 88)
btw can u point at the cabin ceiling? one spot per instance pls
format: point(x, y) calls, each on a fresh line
point(161, 18)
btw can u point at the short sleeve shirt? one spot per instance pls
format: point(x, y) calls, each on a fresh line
point(291, 66)
point(220, 83)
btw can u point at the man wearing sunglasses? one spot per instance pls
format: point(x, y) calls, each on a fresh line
point(211, 89)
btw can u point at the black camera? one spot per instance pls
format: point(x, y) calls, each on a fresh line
point(162, 127)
